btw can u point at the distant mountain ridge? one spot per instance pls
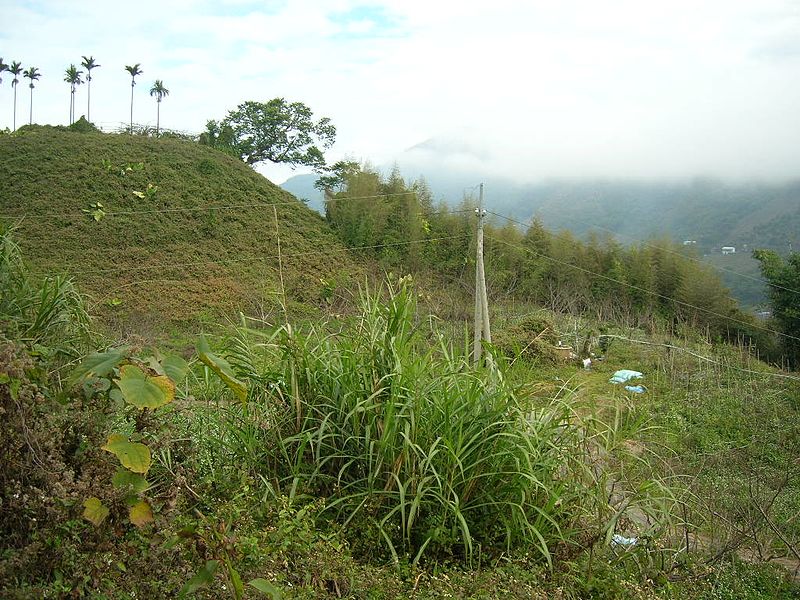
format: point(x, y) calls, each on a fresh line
point(302, 188)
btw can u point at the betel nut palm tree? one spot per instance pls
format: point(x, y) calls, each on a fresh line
point(134, 70)
point(73, 77)
point(15, 69)
point(89, 64)
point(33, 74)
point(159, 91)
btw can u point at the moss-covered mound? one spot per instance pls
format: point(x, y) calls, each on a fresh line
point(161, 229)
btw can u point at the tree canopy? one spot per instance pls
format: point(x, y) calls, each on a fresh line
point(337, 176)
point(783, 278)
point(280, 132)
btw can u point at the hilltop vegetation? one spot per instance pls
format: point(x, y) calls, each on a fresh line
point(709, 212)
point(160, 228)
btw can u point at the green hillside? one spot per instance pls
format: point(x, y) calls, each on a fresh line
point(186, 232)
point(368, 456)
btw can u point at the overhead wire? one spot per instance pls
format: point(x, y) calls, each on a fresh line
point(670, 251)
point(376, 246)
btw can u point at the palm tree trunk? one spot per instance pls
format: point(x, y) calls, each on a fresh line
point(131, 107)
point(158, 117)
point(15, 108)
point(89, 101)
point(30, 121)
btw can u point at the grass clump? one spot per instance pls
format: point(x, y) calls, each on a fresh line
point(414, 451)
point(39, 313)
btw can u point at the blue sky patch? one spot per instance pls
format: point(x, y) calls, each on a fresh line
point(366, 21)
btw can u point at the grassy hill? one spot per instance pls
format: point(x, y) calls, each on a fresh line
point(181, 231)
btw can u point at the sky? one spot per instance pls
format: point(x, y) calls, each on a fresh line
point(524, 89)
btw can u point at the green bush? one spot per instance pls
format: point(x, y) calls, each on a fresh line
point(533, 339)
point(84, 126)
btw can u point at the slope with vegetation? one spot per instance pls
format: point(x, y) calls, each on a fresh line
point(371, 459)
point(160, 228)
point(366, 455)
point(655, 283)
point(710, 212)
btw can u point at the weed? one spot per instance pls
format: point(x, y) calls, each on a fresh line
point(96, 211)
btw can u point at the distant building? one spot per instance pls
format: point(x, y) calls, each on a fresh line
point(689, 242)
point(728, 250)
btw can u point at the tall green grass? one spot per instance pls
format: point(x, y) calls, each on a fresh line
point(46, 312)
point(415, 450)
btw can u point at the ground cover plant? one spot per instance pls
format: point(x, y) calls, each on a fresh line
point(343, 463)
point(380, 451)
point(408, 443)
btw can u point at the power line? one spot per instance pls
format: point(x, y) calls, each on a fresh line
point(370, 197)
point(149, 211)
point(646, 291)
point(394, 244)
point(644, 243)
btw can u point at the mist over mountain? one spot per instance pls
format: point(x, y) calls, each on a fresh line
point(710, 212)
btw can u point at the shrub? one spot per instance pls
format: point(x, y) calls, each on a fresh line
point(84, 126)
point(533, 339)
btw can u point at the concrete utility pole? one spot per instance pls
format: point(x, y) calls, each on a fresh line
point(482, 330)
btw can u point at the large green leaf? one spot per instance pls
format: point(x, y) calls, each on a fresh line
point(99, 364)
point(94, 511)
point(222, 368)
point(175, 367)
point(124, 478)
point(144, 391)
point(132, 455)
point(203, 577)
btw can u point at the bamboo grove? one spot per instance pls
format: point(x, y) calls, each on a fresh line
point(652, 283)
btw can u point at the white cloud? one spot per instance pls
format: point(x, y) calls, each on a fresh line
point(568, 88)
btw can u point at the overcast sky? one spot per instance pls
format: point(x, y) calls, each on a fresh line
point(528, 89)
